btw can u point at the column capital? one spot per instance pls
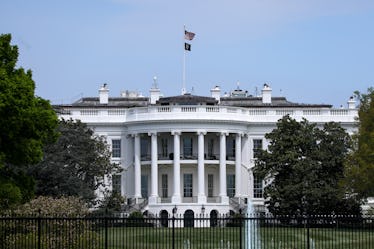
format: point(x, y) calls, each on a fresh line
point(201, 132)
point(152, 133)
point(134, 134)
point(176, 132)
point(224, 133)
point(240, 134)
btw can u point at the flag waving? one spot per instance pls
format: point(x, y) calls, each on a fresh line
point(188, 35)
point(187, 46)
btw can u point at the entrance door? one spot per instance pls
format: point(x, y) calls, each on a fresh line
point(213, 218)
point(164, 218)
point(188, 218)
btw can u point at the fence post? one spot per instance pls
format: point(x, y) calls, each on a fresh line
point(241, 220)
point(39, 228)
point(174, 211)
point(307, 232)
point(173, 232)
point(106, 228)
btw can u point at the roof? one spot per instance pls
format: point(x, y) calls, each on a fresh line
point(112, 102)
point(257, 102)
point(187, 99)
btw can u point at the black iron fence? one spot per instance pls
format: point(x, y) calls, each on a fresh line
point(317, 232)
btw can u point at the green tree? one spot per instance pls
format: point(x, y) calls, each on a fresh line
point(360, 164)
point(303, 166)
point(74, 165)
point(112, 202)
point(26, 122)
point(15, 187)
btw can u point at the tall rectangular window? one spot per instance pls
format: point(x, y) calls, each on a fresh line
point(164, 184)
point(211, 149)
point(257, 147)
point(144, 186)
point(230, 185)
point(116, 148)
point(187, 185)
point(164, 148)
point(116, 183)
point(230, 148)
point(258, 191)
point(187, 147)
point(210, 185)
point(144, 143)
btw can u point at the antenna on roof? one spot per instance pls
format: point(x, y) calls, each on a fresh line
point(256, 91)
point(238, 85)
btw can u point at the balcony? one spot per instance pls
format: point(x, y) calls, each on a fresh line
point(193, 199)
point(219, 113)
point(208, 159)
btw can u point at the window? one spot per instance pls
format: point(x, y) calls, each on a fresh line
point(164, 184)
point(187, 147)
point(211, 149)
point(257, 146)
point(230, 185)
point(230, 148)
point(116, 148)
point(144, 142)
point(210, 185)
point(144, 186)
point(257, 187)
point(116, 183)
point(187, 185)
point(164, 148)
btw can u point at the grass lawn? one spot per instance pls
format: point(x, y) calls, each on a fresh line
point(229, 237)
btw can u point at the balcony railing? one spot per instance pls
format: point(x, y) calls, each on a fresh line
point(170, 156)
point(208, 112)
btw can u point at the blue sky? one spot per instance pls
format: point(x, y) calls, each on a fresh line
point(310, 51)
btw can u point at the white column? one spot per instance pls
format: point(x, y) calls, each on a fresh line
point(245, 176)
point(201, 197)
point(238, 163)
point(154, 169)
point(222, 169)
point(176, 198)
point(137, 173)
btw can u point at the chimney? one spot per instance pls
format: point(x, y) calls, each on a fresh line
point(154, 92)
point(104, 94)
point(216, 93)
point(266, 94)
point(351, 103)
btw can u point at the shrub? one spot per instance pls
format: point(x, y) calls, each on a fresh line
point(49, 206)
point(10, 194)
point(55, 233)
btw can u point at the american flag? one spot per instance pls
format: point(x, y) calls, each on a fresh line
point(188, 35)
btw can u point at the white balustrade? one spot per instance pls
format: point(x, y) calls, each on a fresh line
point(223, 113)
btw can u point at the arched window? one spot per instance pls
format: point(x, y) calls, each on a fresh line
point(213, 218)
point(164, 218)
point(188, 218)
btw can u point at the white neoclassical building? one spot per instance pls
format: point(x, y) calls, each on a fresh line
point(195, 153)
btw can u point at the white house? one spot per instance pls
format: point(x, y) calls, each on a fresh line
point(195, 153)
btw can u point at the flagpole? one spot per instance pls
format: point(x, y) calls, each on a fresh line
point(184, 64)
